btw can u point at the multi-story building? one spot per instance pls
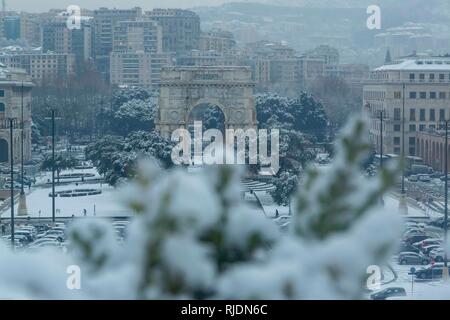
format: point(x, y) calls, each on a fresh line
point(208, 58)
point(328, 54)
point(30, 29)
point(181, 29)
point(140, 35)
point(414, 93)
point(353, 74)
point(42, 67)
point(430, 146)
point(137, 57)
point(105, 20)
point(56, 37)
point(11, 27)
point(140, 69)
point(15, 88)
point(220, 41)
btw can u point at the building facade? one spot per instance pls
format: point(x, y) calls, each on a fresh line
point(430, 146)
point(42, 67)
point(135, 36)
point(137, 57)
point(418, 85)
point(141, 69)
point(220, 41)
point(105, 20)
point(181, 29)
point(57, 38)
point(15, 87)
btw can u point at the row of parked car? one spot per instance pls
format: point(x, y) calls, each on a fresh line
point(419, 247)
point(34, 237)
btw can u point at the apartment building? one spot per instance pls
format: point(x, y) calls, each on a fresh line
point(105, 20)
point(15, 87)
point(414, 93)
point(181, 29)
point(42, 67)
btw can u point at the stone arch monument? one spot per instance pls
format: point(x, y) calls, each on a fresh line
point(184, 88)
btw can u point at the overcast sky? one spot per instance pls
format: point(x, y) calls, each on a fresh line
point(45, 5)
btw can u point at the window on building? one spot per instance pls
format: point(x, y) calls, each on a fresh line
point(397, 150)
point(397, 141)
point(412, 141)
point(397, 127)
point(432, 126)
point(397, 114)
point(422, 76)
point(412, 128)
point(397, 95)
point(442, 76)
point(423, 95)
point(412, 151)
point(413, 95)
point(2, 93)
point(412, 114)
point(441, 114)
point(2, 107)
point(432, 115)
point(422, 114)
point(422, 127)
point(433, 95)
point(431, 76)
point(412, 76)
point(442, 95)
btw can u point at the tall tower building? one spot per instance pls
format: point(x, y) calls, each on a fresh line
point(181, 29)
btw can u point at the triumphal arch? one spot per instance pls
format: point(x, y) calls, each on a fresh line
point(183, 89)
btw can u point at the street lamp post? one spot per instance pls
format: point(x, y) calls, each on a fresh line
point(53, 118)
point(445, 271)
point(22, 200)
point(402, 204)
point(381, 116)
point(12, 124)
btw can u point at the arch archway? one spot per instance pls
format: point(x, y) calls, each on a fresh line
point(212, 116)
point(183, 89)
point(4, 151)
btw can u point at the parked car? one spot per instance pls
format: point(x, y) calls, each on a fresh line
point(413, 178)
point(424, 177)
point(438, 255)
point(427, 242)
point(406, 247)
point(439, 222)
point(430, 272)
point(388, 293)
point(413, 258)
point(427, 249)
point(412, 238)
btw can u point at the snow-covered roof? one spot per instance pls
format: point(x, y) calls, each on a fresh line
point(418, 64)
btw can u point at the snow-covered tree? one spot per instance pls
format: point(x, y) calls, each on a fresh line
point(193, 237)
point(116, 157)
point(135, 115)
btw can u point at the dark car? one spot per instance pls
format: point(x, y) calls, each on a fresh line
point(415, 237)
point(431, 272)
point(388, 293)
point(413, 258)
point(406, 247)
point(439, 222)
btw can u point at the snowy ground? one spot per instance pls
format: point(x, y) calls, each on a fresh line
point(106, 204)
point(417, 289)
